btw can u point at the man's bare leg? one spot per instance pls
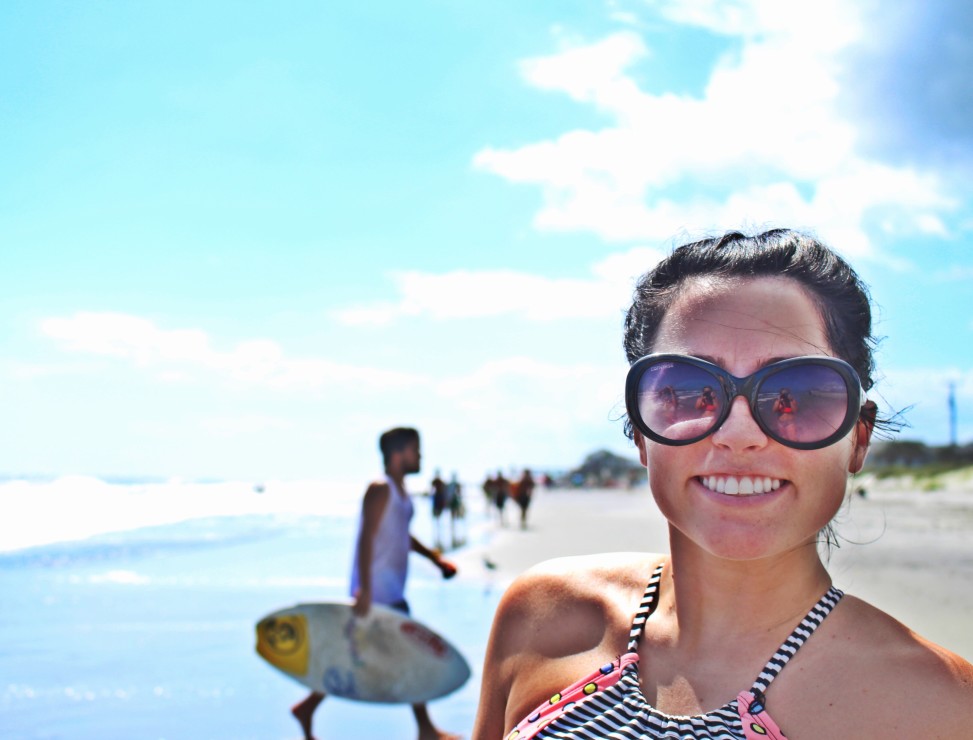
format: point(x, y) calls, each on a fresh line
point(427, 730)
point(303, 711)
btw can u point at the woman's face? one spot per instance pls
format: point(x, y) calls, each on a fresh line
point(742, 325)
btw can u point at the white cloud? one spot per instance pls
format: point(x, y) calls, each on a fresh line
point(767, 121)
point(629, 19)
point(29, 371)
point(558, 409)
point(129, 337)
point(832, 21)
point(234, 426)
point(474, 416)
point(515, 370)
point(122, 577)
point(503, 391)
point(173, 353)
point(532, 393)
point(590, 73)
point(465, 294)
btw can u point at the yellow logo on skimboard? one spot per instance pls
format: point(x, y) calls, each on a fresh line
point(282, 642)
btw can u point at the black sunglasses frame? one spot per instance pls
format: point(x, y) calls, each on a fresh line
point(749, 388)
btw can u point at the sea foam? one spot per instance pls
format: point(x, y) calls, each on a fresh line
point(76, 507)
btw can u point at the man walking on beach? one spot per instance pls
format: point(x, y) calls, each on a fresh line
point(382, 556)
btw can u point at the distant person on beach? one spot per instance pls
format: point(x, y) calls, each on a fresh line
point(707, 402)
point(501, 492)
point(439, 499)
point(457, 510)
point(668, 405)
point(676, 645)
point(490, 492)
point(785, 406)
point(381, 558)
point(525, 490)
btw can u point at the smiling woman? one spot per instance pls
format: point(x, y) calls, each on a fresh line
point(750, 364)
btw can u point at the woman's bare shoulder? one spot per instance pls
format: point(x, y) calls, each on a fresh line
point(584, 575)
point(578, 593)
point(891, 639)
point(919, 687)
point(611, 565)
point(553, 624)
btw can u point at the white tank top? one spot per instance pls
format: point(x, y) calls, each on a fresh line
point(390, 550)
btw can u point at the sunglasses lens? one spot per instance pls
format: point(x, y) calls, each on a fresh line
point(803, 403)
point(679, 401)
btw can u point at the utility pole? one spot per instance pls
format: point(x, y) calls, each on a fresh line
point(952, 413)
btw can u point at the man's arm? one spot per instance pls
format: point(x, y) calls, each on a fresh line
point(373, 507)
point(447, 568)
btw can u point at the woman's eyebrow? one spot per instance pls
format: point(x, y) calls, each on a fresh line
point(761, 364)
point(772, 360)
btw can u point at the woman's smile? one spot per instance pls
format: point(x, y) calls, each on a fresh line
point(740, 485)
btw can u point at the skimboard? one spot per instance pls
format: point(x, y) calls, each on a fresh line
point(386, 657)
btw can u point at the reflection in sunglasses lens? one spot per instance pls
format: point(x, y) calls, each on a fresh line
point(679, 401)
point(805, 403)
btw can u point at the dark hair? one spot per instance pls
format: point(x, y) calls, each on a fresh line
point(841, 297)
point(395, 440)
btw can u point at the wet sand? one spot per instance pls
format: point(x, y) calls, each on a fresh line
point(907, 551)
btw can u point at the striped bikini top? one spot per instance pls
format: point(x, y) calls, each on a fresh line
point(609, 703)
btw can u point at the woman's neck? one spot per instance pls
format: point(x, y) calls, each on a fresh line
point(707, 595)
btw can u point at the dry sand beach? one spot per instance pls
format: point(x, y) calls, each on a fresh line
point(907, 551)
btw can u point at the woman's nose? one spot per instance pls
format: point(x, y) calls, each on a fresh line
point(740, 431)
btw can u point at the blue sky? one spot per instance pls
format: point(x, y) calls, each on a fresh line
point(238, 240)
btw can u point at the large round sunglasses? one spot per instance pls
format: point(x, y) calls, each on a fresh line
point(802, 402)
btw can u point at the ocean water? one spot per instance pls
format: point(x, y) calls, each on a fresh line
point(128, 611)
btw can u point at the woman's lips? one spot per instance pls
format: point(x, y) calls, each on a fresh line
point(740, 485)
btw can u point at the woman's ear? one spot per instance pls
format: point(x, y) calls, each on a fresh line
point(640, 443)
point(863, 436)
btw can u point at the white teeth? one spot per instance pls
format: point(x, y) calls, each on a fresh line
point(743, 486)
